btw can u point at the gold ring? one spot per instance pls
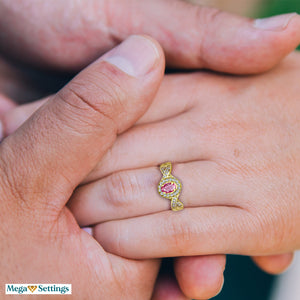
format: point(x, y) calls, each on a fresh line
point(170, 187)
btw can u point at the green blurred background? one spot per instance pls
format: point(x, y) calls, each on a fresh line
point(274, 7)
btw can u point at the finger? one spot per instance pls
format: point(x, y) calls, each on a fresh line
point(141, 275)
point(274, 264)
point(205, 37)
point(129, 150)
point(149, 144)
point(13, 119)
point(134, 149)
point(166, 288)
point(6, 104)
point(200, 277)
point(80, 123)
point(182, 92)
point(134, 193)
point(171, 100)
point(193, 231)
point(209, 38)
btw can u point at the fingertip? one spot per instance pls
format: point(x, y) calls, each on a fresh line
point(274, 264)
point(277, 37)
point(275, 23)
point(200, 277)
point(137, 55)
point(158, 49)
point(246, 46)
point(160, 62)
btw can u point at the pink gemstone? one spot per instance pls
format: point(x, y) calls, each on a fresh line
point(168, 187)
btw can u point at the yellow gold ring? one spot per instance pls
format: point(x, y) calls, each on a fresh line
point(170, 187)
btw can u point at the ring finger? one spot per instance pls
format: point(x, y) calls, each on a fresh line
point(134, 193)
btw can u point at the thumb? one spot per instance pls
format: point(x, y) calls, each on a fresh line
point(204, 37)
point(192, 36)
point(46, 158)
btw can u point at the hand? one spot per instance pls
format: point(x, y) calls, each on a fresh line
point(263, 42)
point(236, 147)
point(43, 162)
point(227, 113)
point(172, 84)
point(70, 34)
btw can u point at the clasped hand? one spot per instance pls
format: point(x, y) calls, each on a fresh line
point(89, 156)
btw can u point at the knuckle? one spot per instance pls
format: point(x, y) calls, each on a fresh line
point(121, 188)
point(204, 18)
point(79, 106)
point(207, 15)
point(108, 83)
point(99, 94)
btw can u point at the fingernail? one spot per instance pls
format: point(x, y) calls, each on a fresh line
point(136, 56)
point(276, 23)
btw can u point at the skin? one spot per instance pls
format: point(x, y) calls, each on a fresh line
point(221, 109)
point(39, 232)
point(238, 132)
point(85, 47)
point(205, 37)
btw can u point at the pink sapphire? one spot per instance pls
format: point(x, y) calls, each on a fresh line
point(168, 187)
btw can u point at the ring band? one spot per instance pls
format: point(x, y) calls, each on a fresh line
point(170, 187)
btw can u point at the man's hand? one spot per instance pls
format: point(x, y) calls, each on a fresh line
point(43, 161)
point(69, 34)
point(206, 38)
point(173, 98)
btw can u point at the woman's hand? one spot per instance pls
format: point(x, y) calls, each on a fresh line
point(236, 146)
point(237, 53)
point(204, 101)
point(43, 162)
